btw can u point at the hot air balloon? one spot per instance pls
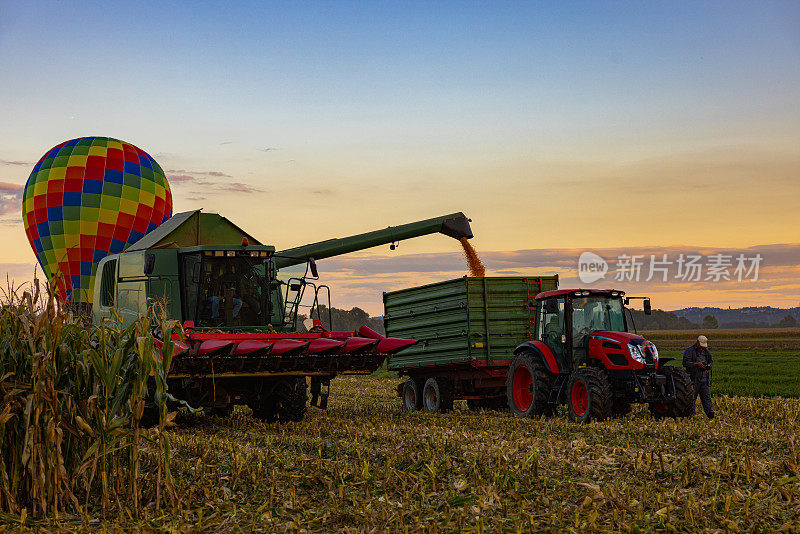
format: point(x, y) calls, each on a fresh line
point(87, 198)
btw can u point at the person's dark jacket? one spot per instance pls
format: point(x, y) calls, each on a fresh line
point(695, 354)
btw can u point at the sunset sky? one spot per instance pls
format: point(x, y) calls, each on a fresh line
point(558, 128)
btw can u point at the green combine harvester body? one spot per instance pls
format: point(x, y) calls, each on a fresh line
point(239, 302)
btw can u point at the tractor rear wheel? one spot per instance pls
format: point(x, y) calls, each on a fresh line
point(286, 401)
point(528, 385)
point(437, 395)
point(589, 395)
point(412, 394)
point(684, 395)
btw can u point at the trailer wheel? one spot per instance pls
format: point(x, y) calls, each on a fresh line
point(528, 385)
point(589, 395)
point(437, 395)
point(684, 395)
point(412, 394)
point(286, 401)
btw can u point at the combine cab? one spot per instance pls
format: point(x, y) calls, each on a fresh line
point(240, 310)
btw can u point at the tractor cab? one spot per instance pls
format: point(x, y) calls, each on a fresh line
point(571, 321)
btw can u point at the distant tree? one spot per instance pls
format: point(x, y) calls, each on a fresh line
point(345, 320)
point(710, 322)
point(787, 322)
point(659, 320)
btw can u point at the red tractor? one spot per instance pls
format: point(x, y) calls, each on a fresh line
point(582, 354)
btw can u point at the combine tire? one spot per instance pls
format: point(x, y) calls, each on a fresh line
point(220, 404)
point(437, 395)
point(528, 385)
point(285, 402)
point(412, 394)
point(684, 395)
point(589, 395)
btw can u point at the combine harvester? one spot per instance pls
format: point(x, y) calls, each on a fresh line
point(242, 344)
point(524, 344)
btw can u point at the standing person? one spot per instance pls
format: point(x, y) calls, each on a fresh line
point(697, 361)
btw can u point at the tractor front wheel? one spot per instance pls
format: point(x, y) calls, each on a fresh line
point(589, 395)
point(528, 385)
point(681, 406)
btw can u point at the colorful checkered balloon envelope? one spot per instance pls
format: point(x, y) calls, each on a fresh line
point(87, 198)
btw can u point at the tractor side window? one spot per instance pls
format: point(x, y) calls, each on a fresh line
point(108, 283)
point(551, 324)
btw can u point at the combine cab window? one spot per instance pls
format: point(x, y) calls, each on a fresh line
point(108, 283)
point(232, 291)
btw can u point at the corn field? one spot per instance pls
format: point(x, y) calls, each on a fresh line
point(73, 396)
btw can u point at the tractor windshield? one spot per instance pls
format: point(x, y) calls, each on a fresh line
point(595, 313)
point(233, 291)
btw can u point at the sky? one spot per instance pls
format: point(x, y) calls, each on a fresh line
point(621, 128)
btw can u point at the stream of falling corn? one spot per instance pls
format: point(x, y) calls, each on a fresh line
point(475, 264)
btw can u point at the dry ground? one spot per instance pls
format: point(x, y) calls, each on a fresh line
point(364, 465)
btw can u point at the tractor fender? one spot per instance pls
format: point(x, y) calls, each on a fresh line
point(544, 352)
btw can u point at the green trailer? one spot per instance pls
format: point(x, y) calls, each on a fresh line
point(466, 331)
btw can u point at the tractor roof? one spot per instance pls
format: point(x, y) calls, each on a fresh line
point(585, 292)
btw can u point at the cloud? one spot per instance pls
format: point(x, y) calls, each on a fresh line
point(183, 172)
point(238, 187)
point(178, 178)
point(10, 198)
point(15, 163)
point(201, 178)
point(359, 279)
point(777, 255)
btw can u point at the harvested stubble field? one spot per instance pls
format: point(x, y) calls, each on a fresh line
point(753, 362)
point(365, 465)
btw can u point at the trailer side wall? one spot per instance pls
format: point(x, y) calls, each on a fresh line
point(469, 319)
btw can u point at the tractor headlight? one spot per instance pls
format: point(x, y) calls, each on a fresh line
point(653, 349)
point(636, 352)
